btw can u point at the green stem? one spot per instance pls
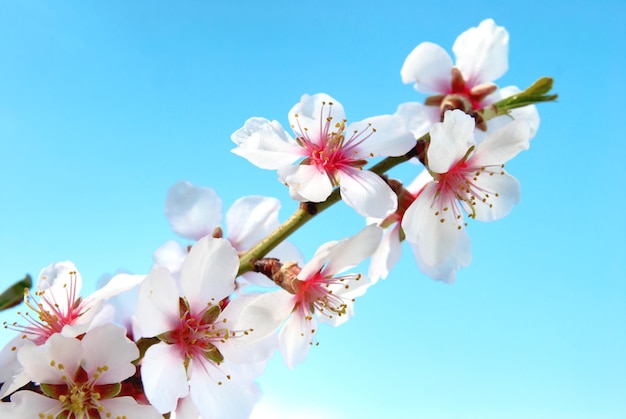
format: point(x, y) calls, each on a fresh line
point(301, 216)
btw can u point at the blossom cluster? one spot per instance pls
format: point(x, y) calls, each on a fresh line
point(190, 338)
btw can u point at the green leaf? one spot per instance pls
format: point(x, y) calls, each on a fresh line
point(534, 94)
point(14, 295)
point(541, 86)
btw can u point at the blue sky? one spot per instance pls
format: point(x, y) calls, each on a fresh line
point(104, 105)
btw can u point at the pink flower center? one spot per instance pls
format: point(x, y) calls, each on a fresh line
point(58, 306)
point(197, 334)
point(79, 396)
point(461, 183)
point(328, 149)
point(314, 294)
point(463, 95)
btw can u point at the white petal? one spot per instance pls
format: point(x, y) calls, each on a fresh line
point(209, 271)
point(163, 376)
point(482, 53)
point(158, 303)
point(435, 240)
point(310, 183)
point(387, 254)
point(53, 362)
point(284, 173)
point(170, 255)
point(118, 284)
point(354, 250)
point(529, 114)
point(186, 409)
point(7, 410)
point(8, 357)
point(502, 145)
point(217, 396)
point(11, 371)
point(367, 193)
point(264, 313)
point(295, 338)
point(312, 112)
point(260, 315)
point(504, 192)
point(105, 314)
point(108, 346)
point(430, 67)
point(28, 404)
point(266, 144)
point(192, 211)
point(127, 407)
point(124, 307)
point(319, 259)
point(450, 140)
point(417, 117)
point(250, 219)
point(391, 137)
point(62, 273)
point(445, 271)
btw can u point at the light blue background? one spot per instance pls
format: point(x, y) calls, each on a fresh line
point(104, 105)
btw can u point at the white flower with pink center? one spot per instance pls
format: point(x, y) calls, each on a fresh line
point(80, 378)
point(327, 153)
point(466, 178)
point(319, 291)
point(57, 307)
point(202, 334)
point(481, 58)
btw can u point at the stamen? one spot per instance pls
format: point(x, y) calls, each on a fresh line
point(331, 151)
point(461, 183)
point(52, 314)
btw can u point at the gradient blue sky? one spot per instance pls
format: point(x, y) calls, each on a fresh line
point(104, 105)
